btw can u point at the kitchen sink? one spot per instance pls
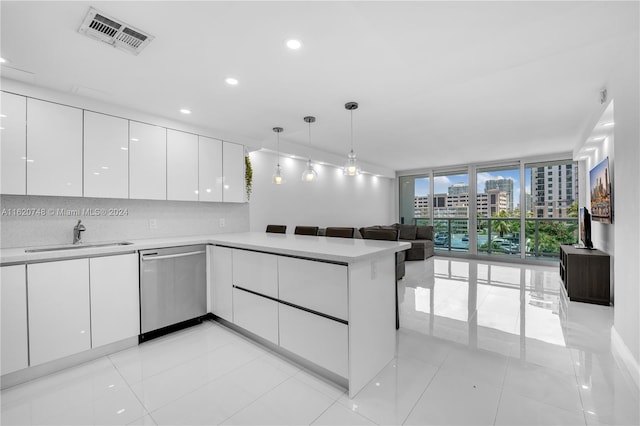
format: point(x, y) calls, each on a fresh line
point(77, 246)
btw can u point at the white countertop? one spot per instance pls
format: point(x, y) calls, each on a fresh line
point(344, 250)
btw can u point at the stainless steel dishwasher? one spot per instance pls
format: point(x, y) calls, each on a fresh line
point(173, 288)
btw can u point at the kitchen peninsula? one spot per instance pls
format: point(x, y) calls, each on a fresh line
point(328, 301)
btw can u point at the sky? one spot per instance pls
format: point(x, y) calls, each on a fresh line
point(442, 183)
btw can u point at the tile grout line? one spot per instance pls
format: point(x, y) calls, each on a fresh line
point(425, 389)
point(147, 410)
point(504, 379)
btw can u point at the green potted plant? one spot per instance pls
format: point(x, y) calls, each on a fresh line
point(248, 175)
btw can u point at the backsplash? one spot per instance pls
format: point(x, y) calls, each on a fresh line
point(38, 221)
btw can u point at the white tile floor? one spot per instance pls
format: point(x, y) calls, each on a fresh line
point(480, 343)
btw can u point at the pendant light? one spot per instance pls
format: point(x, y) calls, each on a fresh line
point(351, 167)
point(309, 174)
point(277, 176)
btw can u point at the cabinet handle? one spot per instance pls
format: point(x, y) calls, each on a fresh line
point(171, 256)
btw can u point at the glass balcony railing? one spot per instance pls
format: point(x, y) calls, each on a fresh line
point(501, 236)
point(451, 234)
point(544, 236)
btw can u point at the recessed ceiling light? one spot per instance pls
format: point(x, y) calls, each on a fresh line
point(3, 61)
point(231, 81)
point(294, 44)
point(135, 139)
point(124, 148)
point(609, 124)
point(185, 111)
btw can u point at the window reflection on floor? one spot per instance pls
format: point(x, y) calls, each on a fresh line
point(488, 305)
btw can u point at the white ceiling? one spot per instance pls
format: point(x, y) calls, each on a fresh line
point(438, 83)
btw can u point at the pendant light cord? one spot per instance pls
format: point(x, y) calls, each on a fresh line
point(351, 111)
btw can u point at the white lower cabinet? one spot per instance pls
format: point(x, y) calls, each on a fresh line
point(59, 317)
point(13, 310)
point(256, 314)
point(321, 340)
point(319, 286)
point(221, 279)
point(256, 272)
point(115, 308)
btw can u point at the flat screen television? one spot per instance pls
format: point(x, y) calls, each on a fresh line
point(600, 187)
point(585, 229)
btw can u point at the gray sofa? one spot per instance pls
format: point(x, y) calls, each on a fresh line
point(421, 239)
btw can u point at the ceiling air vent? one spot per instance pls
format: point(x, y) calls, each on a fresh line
point(118, 34)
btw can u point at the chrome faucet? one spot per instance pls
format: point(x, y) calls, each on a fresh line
point(77, 232)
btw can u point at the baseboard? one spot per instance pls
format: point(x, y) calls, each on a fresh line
point(624, 358)
point(35, 372)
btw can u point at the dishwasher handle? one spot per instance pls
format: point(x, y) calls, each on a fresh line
point(170, 256)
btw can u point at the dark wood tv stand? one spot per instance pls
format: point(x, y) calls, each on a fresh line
point(585, 274)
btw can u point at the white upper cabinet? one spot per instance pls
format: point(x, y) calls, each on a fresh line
point(14, 144)
point(233, 168)
point(210, 169)
point(54, 149)
point(106, 156)
point(182, 166)
point(147, 161)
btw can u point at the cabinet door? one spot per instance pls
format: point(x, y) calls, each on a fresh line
point(106, 156)
point(147, 161)
point(59, 321)
point(221, 292)
point(319, 286)
point(210, 169)
point(182, 166)
point(256, 272)
point(13, 310)
point(54, 148)
point(233, 169)
point(320, 340)
point(13, 153)
point(115, 307)
point(256, 314)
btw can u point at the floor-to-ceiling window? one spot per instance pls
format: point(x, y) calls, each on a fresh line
point(451, 211)
point(541, 197)
point(498, 210)
point(551, 207)
point(414, 200)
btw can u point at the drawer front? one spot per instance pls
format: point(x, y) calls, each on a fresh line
point(256, 272)
point(322, 341)
point(256, 314)
point(318, 286)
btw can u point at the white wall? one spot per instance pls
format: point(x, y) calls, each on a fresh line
point(332, 200)
point(602, 234)
point(624, 89)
